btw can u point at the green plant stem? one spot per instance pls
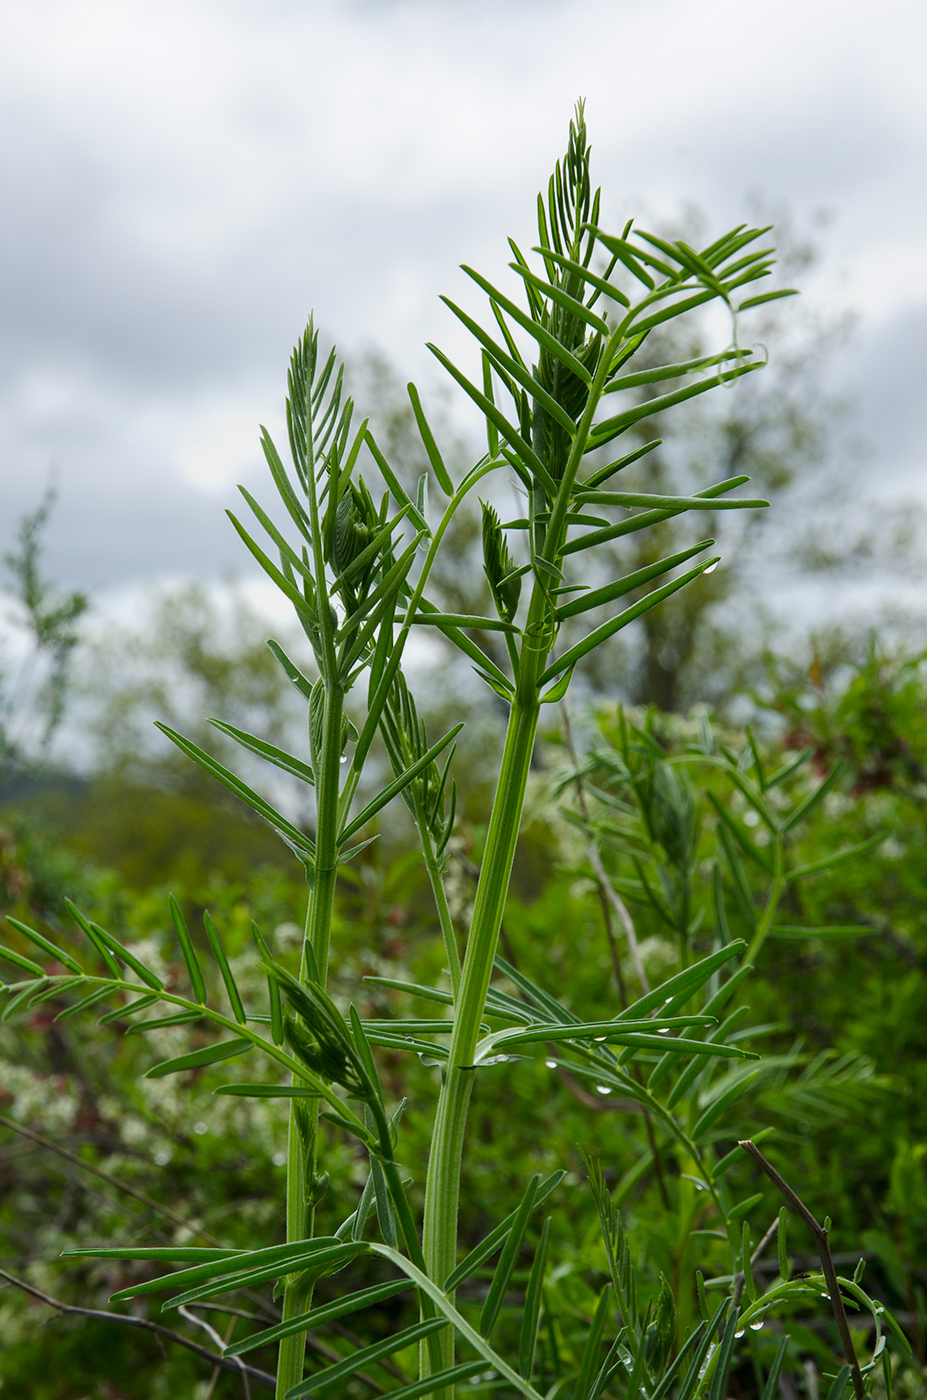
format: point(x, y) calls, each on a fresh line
point(435, 867)
point(300, 1161)
point(772, 904)
point(442, 1186)
point(443, 1180)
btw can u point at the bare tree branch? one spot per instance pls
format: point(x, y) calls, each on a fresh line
point(165, 1333)
point(112, 1180)
point(827, 1262)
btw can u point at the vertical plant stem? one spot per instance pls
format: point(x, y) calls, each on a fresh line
point(300, 1162)
point(772, 904)
point(592, 855)
point(434, 866)
point(443, 1181)
point(827, 1262)
point(605, 889)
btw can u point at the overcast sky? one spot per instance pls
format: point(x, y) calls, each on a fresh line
point(183, 180)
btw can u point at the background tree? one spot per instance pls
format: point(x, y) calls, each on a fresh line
point(34, 683)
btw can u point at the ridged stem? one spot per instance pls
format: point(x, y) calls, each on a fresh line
point(442, 1187)
point(300, 1163)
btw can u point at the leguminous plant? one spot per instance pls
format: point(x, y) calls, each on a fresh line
point(561, 375)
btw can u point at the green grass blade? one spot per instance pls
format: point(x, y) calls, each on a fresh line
point(588, 1366)
point(725, 1352)
point(303, 608)
point(84, 1004)
point(130, 960)
point(528, 1339)
point(802, 872)
point(674, 371)
point(721, 1105)
point(740, 835)
point(472, 621)
point(197, 1059)
point(624, 619)
point(397, 785)
point(365, 1357)
point(599, 596)
point(122, 1013)
point(481, 1252)
point(645, 519)
point(513, 437)
point(693, 1374)
point(280, 1256)
point(623, 250)
point(179, 1018)
point(611, 427)
point(431, 447)
point(613, 468)
point(631, 500)
point(267, 1091)
point(400, 495)
point(301, 682)
point(413, 990)
point(534, 329)
point(218, 951)
point(273, 989)
point(47, 946)
point(460, 1323)
point(562, 299)
point(285, 761)
point(536, 995)
point(468, 647)
point(741, 885)
point(503, 1273)
point(577, 270)
point(440, 1380)
point(767, 296)
point(805, 808)
point(189, 954)
point(508, 365)
point(240, 789)
point(160, 1254)
point(312, 1264)
point(684, 985)
point(110, 962)
point(316, 1317)
point(18, 960)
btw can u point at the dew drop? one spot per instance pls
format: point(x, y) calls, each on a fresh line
point(664, 1030)
point(551, 1064)
point(756, 1326)
point(603, 1088)
point(710, 570)
point(740, 1333)
point(826, 1295)
point(598, 1039)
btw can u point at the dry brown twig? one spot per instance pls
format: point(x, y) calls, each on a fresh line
point(827, 1262)
point(228, 1363)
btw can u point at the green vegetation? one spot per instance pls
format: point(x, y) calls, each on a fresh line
point(474, 1124)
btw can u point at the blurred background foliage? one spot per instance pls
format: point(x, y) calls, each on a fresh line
point(126, 821)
